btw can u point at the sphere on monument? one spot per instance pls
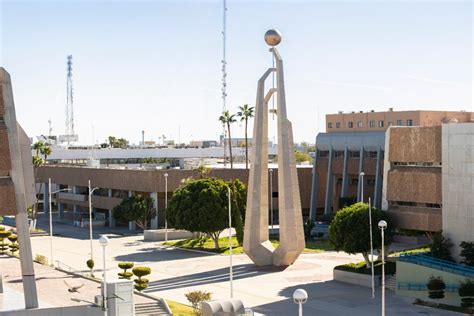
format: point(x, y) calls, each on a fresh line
point(273, 37)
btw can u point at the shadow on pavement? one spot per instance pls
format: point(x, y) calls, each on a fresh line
point(241, 271)
point(157, 254)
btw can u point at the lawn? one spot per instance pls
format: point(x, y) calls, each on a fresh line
point(413, 251)
point(360, 267)
point(208, 245)
point(179, 309)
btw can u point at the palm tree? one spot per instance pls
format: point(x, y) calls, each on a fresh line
point(227, 119)
point(245, 113)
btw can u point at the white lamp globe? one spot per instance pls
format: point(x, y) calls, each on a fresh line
point(382, 224)
point(103, 241)
point(300, 296)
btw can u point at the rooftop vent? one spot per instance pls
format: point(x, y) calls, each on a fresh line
point(390, 109)
point(340, 112)
point(361, 111)
point(372, 111)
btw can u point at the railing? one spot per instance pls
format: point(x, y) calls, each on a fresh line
point(439, 264)
point(409, 286)
point(62, 266)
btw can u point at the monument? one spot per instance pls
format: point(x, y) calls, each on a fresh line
point(256, 237)
point(17, 190)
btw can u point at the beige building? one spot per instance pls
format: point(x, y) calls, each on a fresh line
point(380, 121)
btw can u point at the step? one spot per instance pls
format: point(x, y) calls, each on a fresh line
point(150, 309)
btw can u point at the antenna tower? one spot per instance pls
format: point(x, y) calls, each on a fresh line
point(69, 102)
point(224, 74)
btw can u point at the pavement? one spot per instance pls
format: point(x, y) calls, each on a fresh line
point(267, 290)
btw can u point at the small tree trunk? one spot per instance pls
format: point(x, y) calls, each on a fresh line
point(366, 258)
point(215, 237)
point(230, 147)
point(246, 147)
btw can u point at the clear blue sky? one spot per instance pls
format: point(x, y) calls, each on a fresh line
point(155, 65)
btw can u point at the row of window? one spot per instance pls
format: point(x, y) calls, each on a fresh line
point(415, 204)
point(372, 124)
point(352, 154)
point(355, 181)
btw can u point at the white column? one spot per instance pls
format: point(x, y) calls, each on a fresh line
point(131, 225)
point(111, 217)
point(154, 220)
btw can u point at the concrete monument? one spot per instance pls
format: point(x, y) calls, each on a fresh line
point(256, 237)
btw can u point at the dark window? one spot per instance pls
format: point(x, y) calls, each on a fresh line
point(338, 154)
point(323, 153)
point(350, 124)
point(371, 154)
point(381, 123)
point(372, 123)
point(399, 123)
point(390, 123)
point(409, 122)
point(338, 124)
point(339, 181)
point(354, 181)
point(330, 125)
point(354, 154)
point(275, 194)
point(360, 124)
point(119, 194)
point(370, 181)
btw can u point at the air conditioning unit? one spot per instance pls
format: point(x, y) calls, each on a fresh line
point(390, 109)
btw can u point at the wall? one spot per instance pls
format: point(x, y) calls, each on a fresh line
point(458, 183)
point(58, 311)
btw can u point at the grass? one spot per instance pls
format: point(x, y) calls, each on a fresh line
point(423, 249)
point(447, 307)
point(179, 309)
point(360, 267)
point(208, 245)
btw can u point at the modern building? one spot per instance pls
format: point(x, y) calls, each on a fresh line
point(115, 184)
point(355, 142)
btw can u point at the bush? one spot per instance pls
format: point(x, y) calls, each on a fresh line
point(125, 266)
point(196, 298)
point(41, 259)
point(308, 227)
point(466, 292)
point(90, 265)
point(467, 253)
point(141, 283)
point(4, 234)
point(436, 288)
point(441, 247)
point(14, 245)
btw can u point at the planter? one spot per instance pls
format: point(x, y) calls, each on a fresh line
point(355, 278)
point(411, 240)
point(159, 234)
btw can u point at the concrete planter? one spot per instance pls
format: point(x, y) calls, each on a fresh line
point(355, 278)
point(411, 240)
point(159, 234)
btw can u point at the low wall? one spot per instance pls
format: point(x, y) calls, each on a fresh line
point(412, 240)
point(355, 278)
point(85, 310)
point(159, 234)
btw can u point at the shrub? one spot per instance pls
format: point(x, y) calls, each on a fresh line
point(125, 266)
point(4, 234)
point(196, 298)
point(440, 247)
point(90, 265)
point(467, 253)
point(436, 288)
point(308, 227)
point(466, 292)
point(41, 259)
point(141, 283)
point(14, 245)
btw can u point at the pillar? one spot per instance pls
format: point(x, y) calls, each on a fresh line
point(131, 225)
point(314, 190)
point(361, 169)
point(329, 185)
point(154, 220)
point(378, 180)
point(60, 210)
point(111, 217)
point(46, 198)
point(345, 176)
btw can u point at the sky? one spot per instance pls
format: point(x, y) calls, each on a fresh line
point(156, 65)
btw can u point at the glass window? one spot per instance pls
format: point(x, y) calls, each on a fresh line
point(350, 124)
point(399, 123)
point(359, 124)
point(409, 122)
point(390, 123)
point(330, 125)
point(372, 123)
point(381, 123)
point(338, 124)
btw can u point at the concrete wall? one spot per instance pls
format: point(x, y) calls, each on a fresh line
point(413, 273)
point(58, 311)
point(355, 278)
point(458, 183)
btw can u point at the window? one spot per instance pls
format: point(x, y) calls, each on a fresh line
point(372, 123)
point(338, 154)
point(323, 153)
point(350, 124)
point(390, 123)
point(330, 125)
point(371, 154)
point(338, 124)
point(354, 181)
point(354, 154)
point(359, 124)
point(370, 181)
point(409, 122)
point(2, 120)
point(381, 123)
point(399, 123)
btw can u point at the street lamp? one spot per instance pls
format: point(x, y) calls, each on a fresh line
point(230, 245)
point(104, 241)
point(271, 199)
point(383, 226)
point(371, 248)
point(51, 217)
point(90, 221)
point(362, 174)
point(166, 207)
point(300, 297)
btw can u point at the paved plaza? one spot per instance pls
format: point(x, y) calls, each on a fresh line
point(268, 290)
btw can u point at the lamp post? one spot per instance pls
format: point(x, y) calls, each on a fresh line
point(362, 174)
point(166, 207)
point(231, 276)
point(300, 297)
point(383, 226)
point(371, 249)
point(271, 199)
point(104, 241)
point(51, 217)
point(90, 220)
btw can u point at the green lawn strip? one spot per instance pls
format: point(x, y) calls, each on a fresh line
point(360, 267)
point(410, 251)
point(179, 309)
point(208, 245)
point(447, 307)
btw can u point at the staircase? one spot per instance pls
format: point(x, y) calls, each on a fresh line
point(155, 308)
point(391, 282)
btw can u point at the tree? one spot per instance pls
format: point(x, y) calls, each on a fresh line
point(141, 283)
point(467, 253)
point(4, 234)
point(466, 292)
point(196, 298)
point(349, 230)
point(200, 205)
point(441, 247)
point(226, 119)
point(436, 288)
point(90, 264)
point(246, 112)
point(302, 157)
point(239, 202)
point(125, 266)
point(45, 150)
point(14, 245)
point(203, 171)
point(136, 208)
point(115, 142)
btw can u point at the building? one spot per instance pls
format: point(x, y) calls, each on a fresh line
point(115, 184)
point(354, 143)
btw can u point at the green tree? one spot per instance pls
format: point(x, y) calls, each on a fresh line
point(226, 119)
point(302, 157)
point(136, 208)
point(467, 253)
point(203, 171)
point(239, 202)
point(14, 243)
point(436, 287)
point(4, 234)
point(466, 292)
point(349, 230)
point(441, 247)
point(246, 112)
point(125, 266)
point(141, 283)
point(44, 150)
point(200, 205)
point(196, 298)
point(115, 142)
point(90, 264)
